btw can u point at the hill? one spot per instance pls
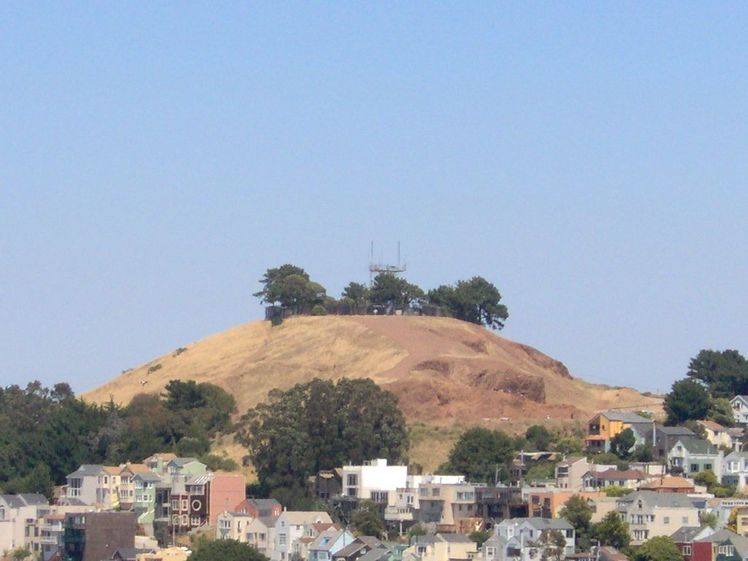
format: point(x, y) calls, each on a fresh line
point(446, 373)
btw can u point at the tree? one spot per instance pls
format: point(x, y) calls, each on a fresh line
point(366, 519)
point(479, 453)
point(226, 550)
point(290, 286)
point(538, 437)
point(475, 300)
point(390, 290)
point(357, 295)
point(622, 443)
point(720, 411)
point(612, 530)
point(321, 425)
point(568, 445)
point(724, 372)
point(709, 519)
point(578, 512)
point(551, 544)
point(687, 399)
point(479, 536)
point(660, 548)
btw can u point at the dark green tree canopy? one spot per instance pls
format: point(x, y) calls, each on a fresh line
point(475, 300)
point(291, 287)
point(724, 372)
point(612, 530)
point(367, 521)
point(356, 293)
point(479, 453)
point(321, 425)
point(538, 438)
point(389, 289)
point(623, 443)
point(227, 550)
point(660, 548)
point(688, 399)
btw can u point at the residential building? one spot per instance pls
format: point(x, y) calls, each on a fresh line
point(327, 543)
point(375, 480)
point(18, 516)
point(451, 507)
point(741, 521)
point(441, 547)
point(690, 456)
point(662, 438)
point(158, 462)
point(725, 546)
point(604, 426)
point(126, 489)
point(233, 526)
point(546, 503)
point(259, 508)
point(684, 539)
point(721, 436)
point(93, 536)
point(628, 479)
point(260, 534)
point(740, 409)
point(522, 538)
point(669, 484)
point(144, 503)
point(651, 514)
point(94, 485)
point(326, 484)
point(290, 527)
point(359, 547)
point(493, 504)
point(571, 471)
point(735, 470)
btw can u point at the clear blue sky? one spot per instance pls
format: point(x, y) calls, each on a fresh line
point(590, 159)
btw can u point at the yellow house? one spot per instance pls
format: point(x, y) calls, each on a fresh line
point(607, 424)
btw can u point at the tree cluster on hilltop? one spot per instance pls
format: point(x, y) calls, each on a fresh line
point(713, 378)
point(475, 300)
point(46, 433)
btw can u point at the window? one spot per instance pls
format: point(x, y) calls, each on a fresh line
point(686, 550)
point(435, 492)
point(490, 551)
point(352, 479)
point(281, 539)
point(694, 467)
point(195, 520)
point(708, 466)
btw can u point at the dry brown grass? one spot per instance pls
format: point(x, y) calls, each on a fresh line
point(446, 373)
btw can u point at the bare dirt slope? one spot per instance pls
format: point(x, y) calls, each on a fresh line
point(445, 372)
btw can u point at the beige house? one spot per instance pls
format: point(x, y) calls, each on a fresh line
point(652, 514)
point(451, 507)
point(722, 436)
point(441, 547)
point(570, 472)
point(232, 526)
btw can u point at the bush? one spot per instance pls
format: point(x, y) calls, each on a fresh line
point(319, 310)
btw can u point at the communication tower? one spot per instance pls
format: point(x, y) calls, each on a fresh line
point(376, 267)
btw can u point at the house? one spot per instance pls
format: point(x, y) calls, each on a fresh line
point(662, 438)
point(93, 536)
point(18, 516)
point(51, 533)
point(326, 484)
point(259, 508)
point(144, 503)
point(571, 471)
point(327, 543)
point(185, 467)
point(735, 470)
point(440, 547)
point(525, 538)
point(724, 546)
point(669, 484)
point(451, 507)
point(233, 526)
point(374, 480)
point(158, 462)
point(290, 527)
point(546, 503)
point(126, 490)
point(721, 436)
point(684, 539)
point(608, 553)
point(651, 514)
point(606, 425)
point(493, 504)
point(94, 485)
point(690, 456)
point(628, 479)
point(739, 405)
point(359, 547)
point(260, 534)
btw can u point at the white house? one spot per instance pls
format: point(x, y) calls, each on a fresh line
point(94, 485)
point(18, 517)
point(375, 480)
point(520, 538)
point(740, 409)
point(290, 528)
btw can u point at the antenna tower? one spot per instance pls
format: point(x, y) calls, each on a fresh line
point(376, 267)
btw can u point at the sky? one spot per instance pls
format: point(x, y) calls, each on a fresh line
point(588, 158)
